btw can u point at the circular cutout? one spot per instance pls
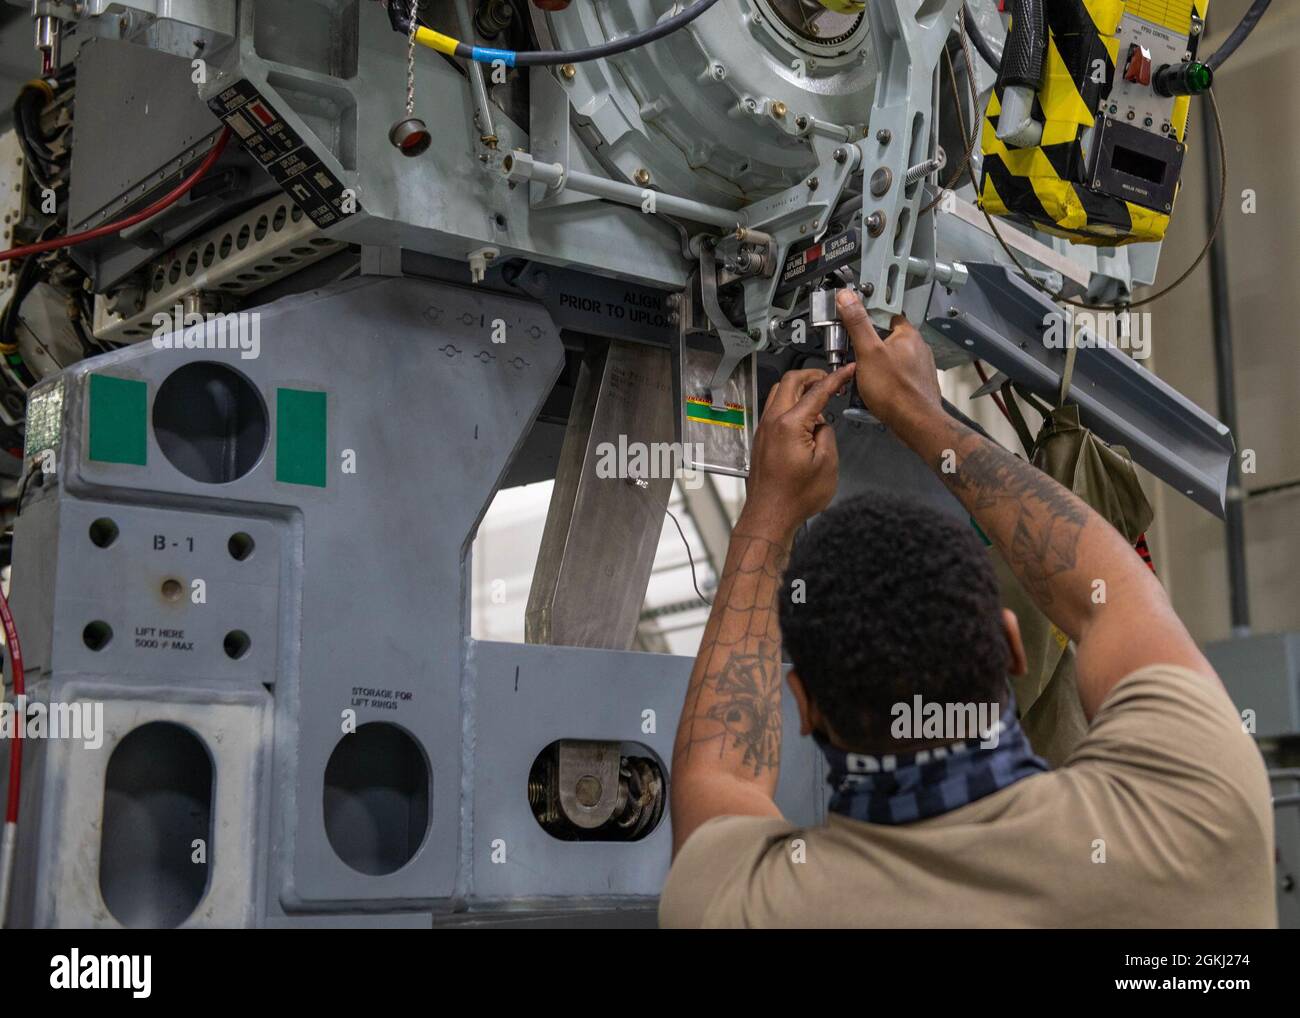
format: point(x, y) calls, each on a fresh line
point(240, 546)
point(103, 532)
point(97, 635)
point(377, 798)
point(210, 422)
point(236, 644)
point(172, 589)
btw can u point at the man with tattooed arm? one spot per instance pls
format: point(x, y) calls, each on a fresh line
point(1161, 816)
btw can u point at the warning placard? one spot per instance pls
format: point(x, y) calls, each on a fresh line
point(295, 167)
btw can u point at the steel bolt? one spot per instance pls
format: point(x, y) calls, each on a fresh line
point(884, 136)
point(642, 177)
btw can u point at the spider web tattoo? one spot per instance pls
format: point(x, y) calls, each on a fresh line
point(735, 706)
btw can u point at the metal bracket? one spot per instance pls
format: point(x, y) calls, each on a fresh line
point(798, 213)
point(548, 139)
point(1000, 318)
point(909, 36)
point(736, 345)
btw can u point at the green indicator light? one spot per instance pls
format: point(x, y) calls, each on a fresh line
point(1192, 78)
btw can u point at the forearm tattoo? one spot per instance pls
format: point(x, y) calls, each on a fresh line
point(1041, 542)
point(733, 705)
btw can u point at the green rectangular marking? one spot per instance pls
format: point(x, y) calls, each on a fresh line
point(706, 413)
point(119, 414)
point(300, 426)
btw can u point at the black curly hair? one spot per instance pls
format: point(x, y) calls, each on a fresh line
point(885, 598)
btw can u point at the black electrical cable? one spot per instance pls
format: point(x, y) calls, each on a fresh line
point(35, 153)
point(1238, 35)
point(608, 49)
point(980, 40)
point(689, 557)
point(553, 57)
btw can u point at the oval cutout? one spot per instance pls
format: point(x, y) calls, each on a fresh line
point(157, 804)
point(377, 798)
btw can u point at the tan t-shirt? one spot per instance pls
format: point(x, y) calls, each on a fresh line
point(1161, 817)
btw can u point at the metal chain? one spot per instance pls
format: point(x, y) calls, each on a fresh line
point(410, 59)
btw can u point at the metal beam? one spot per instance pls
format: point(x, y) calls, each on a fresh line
point(1000, 318)
point(602, 531)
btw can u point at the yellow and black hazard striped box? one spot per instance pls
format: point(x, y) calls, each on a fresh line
point(1106, 169)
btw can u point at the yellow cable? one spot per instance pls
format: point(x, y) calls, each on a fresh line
point(436, 41)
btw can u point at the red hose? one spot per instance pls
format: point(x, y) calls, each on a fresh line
point(166, 201)
point(20, 689)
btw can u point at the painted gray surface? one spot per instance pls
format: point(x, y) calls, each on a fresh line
point(362, 582)
point(1262, 674)
point(528, 696)
point(448, 201)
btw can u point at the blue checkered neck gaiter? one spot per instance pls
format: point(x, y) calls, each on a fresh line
point(901, 788)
